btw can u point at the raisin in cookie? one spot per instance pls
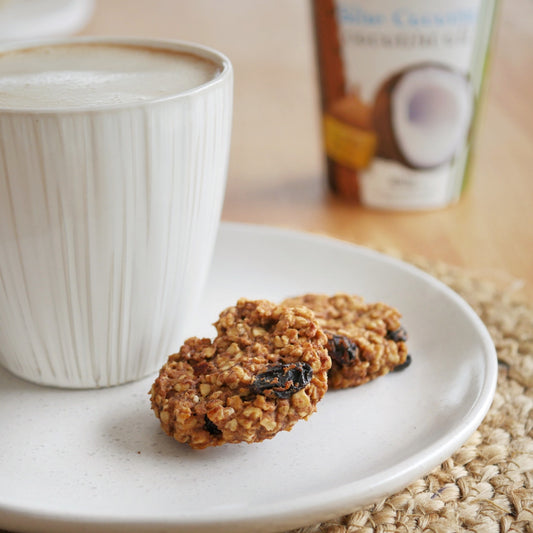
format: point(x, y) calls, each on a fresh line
point(265, 370)
point(365, 340)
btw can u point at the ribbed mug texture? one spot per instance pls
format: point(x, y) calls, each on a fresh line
point(108, 220)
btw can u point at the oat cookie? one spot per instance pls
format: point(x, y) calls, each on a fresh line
point(265, 370)
point(365, 340)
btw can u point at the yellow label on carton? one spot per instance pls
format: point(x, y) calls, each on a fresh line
point(348, 145)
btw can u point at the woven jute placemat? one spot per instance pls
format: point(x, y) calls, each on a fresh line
point(487, 485)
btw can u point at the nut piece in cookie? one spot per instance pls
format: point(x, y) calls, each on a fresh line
point(365, 340)
point(265, 370)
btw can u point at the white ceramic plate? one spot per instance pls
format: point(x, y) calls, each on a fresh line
point(99, 459)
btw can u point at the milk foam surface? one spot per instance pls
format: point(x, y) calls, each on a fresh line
point(85, 75)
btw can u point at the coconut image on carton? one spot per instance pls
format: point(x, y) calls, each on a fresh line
point(422, 116)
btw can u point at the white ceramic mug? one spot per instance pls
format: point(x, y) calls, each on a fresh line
point(108, 219)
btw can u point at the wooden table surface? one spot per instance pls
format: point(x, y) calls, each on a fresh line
point(276, 173)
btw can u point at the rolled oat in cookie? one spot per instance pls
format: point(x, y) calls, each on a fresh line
point(265, 370)
point(365, 340)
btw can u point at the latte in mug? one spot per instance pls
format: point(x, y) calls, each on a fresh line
point(77, 75)
point(113, 164)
